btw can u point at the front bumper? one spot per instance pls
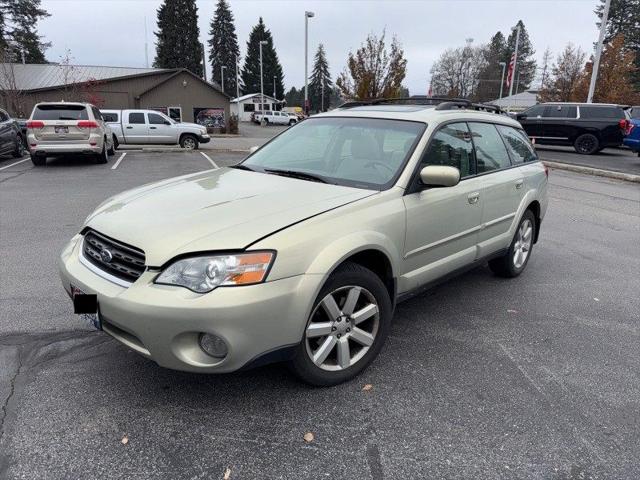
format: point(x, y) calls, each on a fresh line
point(204, 138)
point(163, 322)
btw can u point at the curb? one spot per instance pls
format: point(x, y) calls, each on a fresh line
point(628, 177)
point(226, 150)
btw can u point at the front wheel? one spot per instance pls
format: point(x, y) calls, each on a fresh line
point(189, 142)
point(292, 123)
point(347, 327)
point(513, 263)
point(586, 144)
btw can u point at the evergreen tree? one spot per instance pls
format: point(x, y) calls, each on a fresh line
point(18, 30)
point(320, 80)
point(526, 66)
point(178, 44)
point(295, 97)
point(624, 17)
point(270, 64)
point(224, 48)
point(491, 75)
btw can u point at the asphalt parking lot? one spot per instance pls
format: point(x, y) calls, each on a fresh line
point(615, 159)
point(535, 377)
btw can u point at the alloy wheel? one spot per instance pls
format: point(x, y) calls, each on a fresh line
point(521, 248)
point(189, 143)
point(586, 145)
point(343, 328)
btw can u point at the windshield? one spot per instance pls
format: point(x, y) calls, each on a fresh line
point(358, 152)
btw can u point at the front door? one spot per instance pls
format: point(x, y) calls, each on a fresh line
point(443, 223)
point(558, 120)
point(160, 130)
point(134, 127)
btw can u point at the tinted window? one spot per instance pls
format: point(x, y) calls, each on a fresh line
point(491, 153)
point(451, 145)
point(96, 113)
point(538, 110)
point(249, 107)
point(60, 112)
point(110, 117)
point(155, 119)
point(601, 112)
point(136, 118)
point(561, 111)
point(518, 145)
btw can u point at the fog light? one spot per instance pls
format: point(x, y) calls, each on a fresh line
point(213, 345)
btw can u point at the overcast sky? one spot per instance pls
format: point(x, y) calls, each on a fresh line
point(111, 32)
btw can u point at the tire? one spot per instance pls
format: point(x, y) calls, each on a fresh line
point(189, 142)
point(112, 150)
point(20, 147)
point(38, 161)
point(363, 338)
point(292, 123)
point(586, 144)
point(102, 157)
point(509, 265)
point(116, 144)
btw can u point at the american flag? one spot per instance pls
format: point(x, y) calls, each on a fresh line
point(512, 64)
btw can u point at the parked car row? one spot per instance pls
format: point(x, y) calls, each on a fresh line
point(56, 128)
point(588, 127)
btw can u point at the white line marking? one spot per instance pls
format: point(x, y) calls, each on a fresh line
point(115, 165)
point(15, 163)
point(209, 158)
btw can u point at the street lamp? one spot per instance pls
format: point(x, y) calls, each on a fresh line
point(262, 42)
point(222, 68)
point(504, 64)
point(274, 87)
point(238, 86)
point(307, 16)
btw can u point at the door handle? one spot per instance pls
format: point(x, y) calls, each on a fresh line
point(152, 128)
point(473, 198)
point(519, 184)
point(129, 127)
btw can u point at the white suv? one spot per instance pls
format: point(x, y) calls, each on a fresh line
point(56, 128)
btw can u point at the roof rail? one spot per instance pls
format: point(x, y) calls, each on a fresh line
point(441, 103)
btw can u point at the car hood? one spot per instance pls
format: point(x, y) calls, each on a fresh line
point(190, 125)
point(224, 209)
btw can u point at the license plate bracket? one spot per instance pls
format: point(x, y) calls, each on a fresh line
point(61, 129)
point(86, 305)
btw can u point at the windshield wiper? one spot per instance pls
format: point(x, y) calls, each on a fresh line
point(240, 166)
point(296, 174)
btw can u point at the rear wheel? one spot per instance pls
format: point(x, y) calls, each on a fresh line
point(39, 160)
point(102, 157)
point(347, 327)
point(513, 263)
point(586, 144)
point(189, 142)
point(19, 149)
point(116, 144)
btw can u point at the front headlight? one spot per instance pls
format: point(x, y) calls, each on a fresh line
point(203, 274)
point(203, 131)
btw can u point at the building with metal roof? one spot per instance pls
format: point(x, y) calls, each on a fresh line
point(176, 91)
point(519, 101)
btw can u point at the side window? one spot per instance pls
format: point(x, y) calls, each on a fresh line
point(110, 117)
point(561, 111)
point(249, 107)
point(451, 145)
point(136, 118)
point(534, 112)
point(518, 144)
point(96, 113)
point(491, 153)
point(155, 119)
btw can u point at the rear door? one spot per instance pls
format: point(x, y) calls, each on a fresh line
point(62, 123)
point(134, 127)
point(502, 186)
point(160, 130)
point(559, 122)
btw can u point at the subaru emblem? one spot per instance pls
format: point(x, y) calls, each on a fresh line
point(106, 256)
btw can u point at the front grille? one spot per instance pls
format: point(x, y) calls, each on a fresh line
point(115, 258)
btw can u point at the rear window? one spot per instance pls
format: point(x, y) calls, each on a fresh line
point(601, 112)
point(60, 112)
point(110, 117)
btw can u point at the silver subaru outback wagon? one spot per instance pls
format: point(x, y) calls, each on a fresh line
point(301, 252)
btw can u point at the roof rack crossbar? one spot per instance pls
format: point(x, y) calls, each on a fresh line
point(440, 103)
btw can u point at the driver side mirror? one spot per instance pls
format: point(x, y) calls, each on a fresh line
point(521, 116)
point(253, 149)
point(440, 176)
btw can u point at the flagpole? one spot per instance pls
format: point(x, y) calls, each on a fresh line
point(515, 64)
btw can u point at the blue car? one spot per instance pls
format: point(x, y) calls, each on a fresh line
point(632, 140)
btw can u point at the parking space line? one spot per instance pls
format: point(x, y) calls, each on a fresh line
point(210, 161)
point(115, 165)
point(15, 163)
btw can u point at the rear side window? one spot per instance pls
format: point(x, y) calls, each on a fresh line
point(491, 153)
point(136, 118)
point(561, 111)
point(451, 146)
point(518, 145)
point(110, 117)
point(60, 112)
point(601, 112)
point(536, 111)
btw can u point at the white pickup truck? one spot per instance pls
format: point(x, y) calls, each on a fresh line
point(275, 118)
point(140, 127)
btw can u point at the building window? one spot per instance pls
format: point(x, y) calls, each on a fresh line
point(249, 107)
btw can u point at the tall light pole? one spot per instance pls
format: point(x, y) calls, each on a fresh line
point(274, 87)
point(262, 42)
point(504, 64)
point(204, 64)
point(596, 60)
point(222, 68)
point(322, 96)
point(307, 16)
point(237, 87)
